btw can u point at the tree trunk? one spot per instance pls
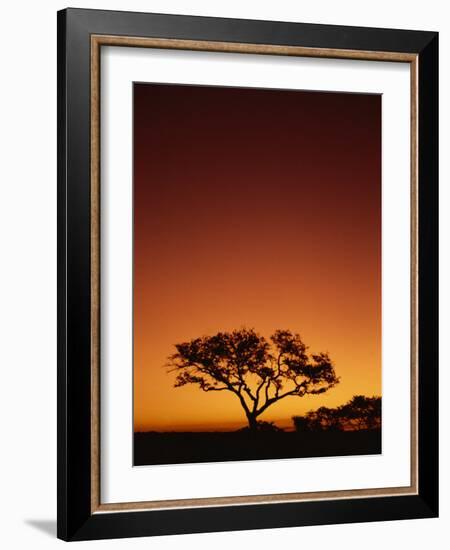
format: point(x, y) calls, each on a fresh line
point(252, 422)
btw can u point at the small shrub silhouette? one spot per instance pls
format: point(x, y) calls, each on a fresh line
point(360, 413)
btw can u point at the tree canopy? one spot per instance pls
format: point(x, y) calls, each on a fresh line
point(258, 372)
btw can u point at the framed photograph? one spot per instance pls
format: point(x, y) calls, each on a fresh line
point(247, 257)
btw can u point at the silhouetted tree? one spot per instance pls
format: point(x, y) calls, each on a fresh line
point(363, 413)
point(257, 372)
point(360, 413)
point(323, 419)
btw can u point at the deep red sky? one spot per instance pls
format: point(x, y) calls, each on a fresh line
point(257, 208)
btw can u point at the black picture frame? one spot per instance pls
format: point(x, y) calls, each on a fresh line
point(76, 520)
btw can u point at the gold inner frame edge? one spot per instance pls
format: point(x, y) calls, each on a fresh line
point(264, 49)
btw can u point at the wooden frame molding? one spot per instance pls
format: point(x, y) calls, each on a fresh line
point(82, 33)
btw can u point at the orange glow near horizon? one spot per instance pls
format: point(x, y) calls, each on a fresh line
point(255, 208)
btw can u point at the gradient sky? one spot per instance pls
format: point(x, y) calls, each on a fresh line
point(256, 208)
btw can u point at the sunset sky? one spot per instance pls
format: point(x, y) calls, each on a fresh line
point(255, 208)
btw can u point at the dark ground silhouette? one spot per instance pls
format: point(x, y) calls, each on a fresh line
point(191, 447)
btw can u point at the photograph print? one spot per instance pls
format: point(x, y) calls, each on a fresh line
point(256, 274)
